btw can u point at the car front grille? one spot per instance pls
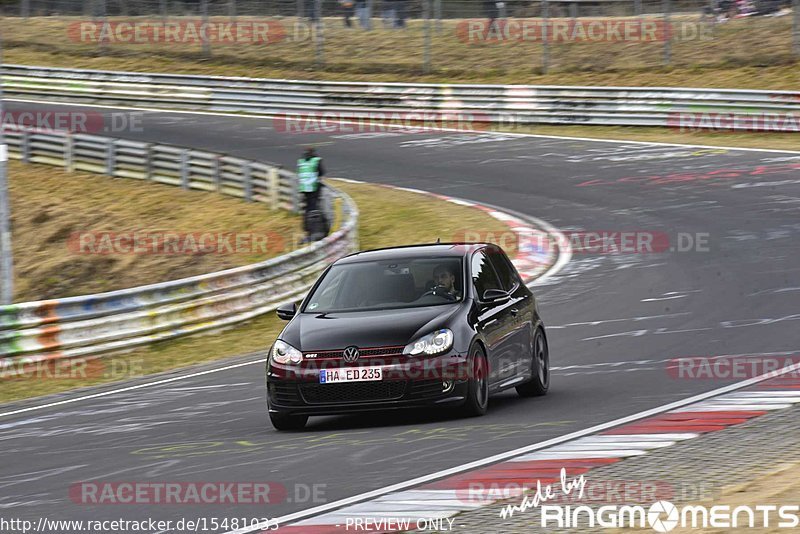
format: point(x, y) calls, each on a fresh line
point(352, 392)
point(374, 352)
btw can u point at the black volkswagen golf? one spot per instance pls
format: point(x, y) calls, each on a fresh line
point(424, 325)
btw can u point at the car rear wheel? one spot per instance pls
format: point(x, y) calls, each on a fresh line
point(540, 367)
point(478, 386)
point(282, 421)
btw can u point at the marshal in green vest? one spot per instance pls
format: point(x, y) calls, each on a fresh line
point(308, 174)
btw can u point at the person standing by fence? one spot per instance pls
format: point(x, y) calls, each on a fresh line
point(364, 13)
point(309, 174)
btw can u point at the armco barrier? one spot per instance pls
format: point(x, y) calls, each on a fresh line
point(506, 104)
point(94, 324)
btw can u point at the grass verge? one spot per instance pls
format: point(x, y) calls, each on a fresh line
point(66, 228)
point(388, 218)
point(748, 53)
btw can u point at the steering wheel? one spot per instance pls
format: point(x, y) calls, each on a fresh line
point(439, 291)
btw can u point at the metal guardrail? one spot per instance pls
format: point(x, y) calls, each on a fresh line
point(504, 104)
point(94, 324)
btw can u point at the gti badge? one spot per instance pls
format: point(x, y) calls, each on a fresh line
point(350, 354)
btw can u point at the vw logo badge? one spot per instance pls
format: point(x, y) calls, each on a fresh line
point(350, 354)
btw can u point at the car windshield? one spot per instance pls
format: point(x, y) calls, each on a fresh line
point(389, 284)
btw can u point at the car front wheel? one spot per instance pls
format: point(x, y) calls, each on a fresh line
point(478, 386)
point(540, 368)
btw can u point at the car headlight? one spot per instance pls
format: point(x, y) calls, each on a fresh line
point(284, 353)
point(433, 343)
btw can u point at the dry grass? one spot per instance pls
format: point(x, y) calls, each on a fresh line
point(754, 53)
point(388, 218)
point(50, 206)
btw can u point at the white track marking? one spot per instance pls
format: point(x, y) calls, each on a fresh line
point(538, 136)
point(129, 388)
point(534, 452)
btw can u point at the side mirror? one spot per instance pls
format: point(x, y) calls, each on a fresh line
point(495, 296)
point(287, 311)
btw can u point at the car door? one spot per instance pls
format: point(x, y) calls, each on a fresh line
point(494, 318)
point(517, 360)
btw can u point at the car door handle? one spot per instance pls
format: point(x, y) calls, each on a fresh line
point(514, 312)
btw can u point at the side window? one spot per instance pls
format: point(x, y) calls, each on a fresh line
point(505, 270)
point(483, 275)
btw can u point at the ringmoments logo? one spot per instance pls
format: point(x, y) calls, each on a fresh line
point(663, 516)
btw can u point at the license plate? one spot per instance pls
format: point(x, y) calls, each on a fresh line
point(350, 374)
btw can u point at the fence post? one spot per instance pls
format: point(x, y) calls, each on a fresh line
point(637, 7)
point(545, 36)
point(573, 10)
point(247, 177)
point(667, 33)
point(69, 153)
point(6, 260)
point(185, 168)
point(25, 146)
point(274, 188)
point(437, 14)
point(426, 53)
point(232, 11)
point(148, 162)
point(319, 37)
point(295, 193)
point(796, 26)
point(6, 252)
point(204, 28)
point(215, 169)
point(162, 8)
point(111, 157)
point(103, 43)
point(301, 10)
point(25, 9)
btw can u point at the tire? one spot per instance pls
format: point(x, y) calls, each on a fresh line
point(477, 401)
point(540, 367)
point(283, 421)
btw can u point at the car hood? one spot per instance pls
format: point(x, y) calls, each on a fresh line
point(382, 328)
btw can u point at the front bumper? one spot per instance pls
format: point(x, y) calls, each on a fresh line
point(415, 382)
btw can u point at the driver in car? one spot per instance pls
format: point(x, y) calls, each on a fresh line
point(445, 280)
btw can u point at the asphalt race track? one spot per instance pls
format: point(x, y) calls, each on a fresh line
point(614, 320)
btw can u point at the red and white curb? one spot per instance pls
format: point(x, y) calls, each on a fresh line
point(536, 253)
point(472, 489)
